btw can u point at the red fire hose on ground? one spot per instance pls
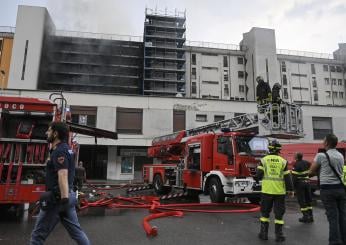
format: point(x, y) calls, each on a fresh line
point(158, 210)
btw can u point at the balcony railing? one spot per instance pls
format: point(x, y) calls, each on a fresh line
point(176, 13)
point(304, 54)
point(214, 45)
point(99, 36)
point(7, 29)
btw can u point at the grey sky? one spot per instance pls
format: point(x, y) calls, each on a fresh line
point(309, 25)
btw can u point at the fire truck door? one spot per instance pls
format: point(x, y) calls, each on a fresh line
point(224, 159)
point(192, 175)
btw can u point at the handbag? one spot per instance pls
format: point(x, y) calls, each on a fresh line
point(47, 200)
point(333, 169)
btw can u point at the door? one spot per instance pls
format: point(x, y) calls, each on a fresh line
point(224, 159)
point(192, 174)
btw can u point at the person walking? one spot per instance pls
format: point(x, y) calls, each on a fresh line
point(276, 181)
point(333, 193)
point(302, 187)
point(60, 199)
point(80, 176)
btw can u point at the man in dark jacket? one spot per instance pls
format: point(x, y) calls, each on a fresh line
point(263, 91)
point(302, 186)
point(276, 93)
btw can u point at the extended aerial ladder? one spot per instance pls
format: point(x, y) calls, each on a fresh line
point(282, 121)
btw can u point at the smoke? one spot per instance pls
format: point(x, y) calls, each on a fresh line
point(98, 16)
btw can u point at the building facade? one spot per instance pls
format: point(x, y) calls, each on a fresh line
point(6, 44)
point(163, 83)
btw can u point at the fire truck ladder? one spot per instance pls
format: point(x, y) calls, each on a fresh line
point(245, 122)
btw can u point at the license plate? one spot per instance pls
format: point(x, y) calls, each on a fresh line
point(242, 183)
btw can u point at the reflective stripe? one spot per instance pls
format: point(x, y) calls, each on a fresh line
point(273, 179)
point(278, 221)
point(304, 209)
point(286, 172)
point(260, 167)
point(344, 174)
point(300, 173)
point(264, 219)
point(309, 208)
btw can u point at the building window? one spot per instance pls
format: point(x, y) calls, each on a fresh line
point(240, 74)
point(313, 71)
point(24, 60)
point(335, 94)
point(126, 165)
point(240, 60)
point(129, 120)
point(314, 82)
point(241, 88)
point(178, 120)
point(201, 118)
point(193, 88)
point(210, 68)
point(325, 67)
point(340, 82)
point(193, 59)
point(341, 95)
point(338, 69)
point(211, 82)
point(226, 90)
point(219, 118)
point(225, 75)
point(332, 68)
point(225, 61)
point(283, 66)
point(334, 81)
point(285, 93)
point(193, 73)
point(84, 115)
point(321, 127)
point(326, 81)
point(328, 94)
point(284, 79)
point(315, 95)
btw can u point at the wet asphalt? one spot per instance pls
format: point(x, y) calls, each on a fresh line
point(105, 226)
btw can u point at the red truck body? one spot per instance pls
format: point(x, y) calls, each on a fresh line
point(221, 164)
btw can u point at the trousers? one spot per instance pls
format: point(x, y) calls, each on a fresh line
point(48, 219)
point(334, 201)
point(267, 203)
point(304, 196)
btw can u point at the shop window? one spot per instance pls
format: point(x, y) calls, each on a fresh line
point(84, 115)
point(126, 165)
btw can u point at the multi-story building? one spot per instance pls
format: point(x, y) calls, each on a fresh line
point(195, 83)
point(6, 43)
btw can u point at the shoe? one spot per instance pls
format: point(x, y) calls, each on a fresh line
point(263, 235)
point(279, 236)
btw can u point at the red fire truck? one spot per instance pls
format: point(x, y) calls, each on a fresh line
point(220, 159)
point(23, 145)
point(309, 151)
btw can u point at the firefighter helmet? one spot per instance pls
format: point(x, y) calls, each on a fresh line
point(259, 78)
point(277, 85)
point(274, 146)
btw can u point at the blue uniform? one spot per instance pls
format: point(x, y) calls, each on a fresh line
point(60, 158)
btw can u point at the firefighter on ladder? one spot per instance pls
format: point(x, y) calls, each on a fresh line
point(263, 92)
point(276, 180)
point(302, 186)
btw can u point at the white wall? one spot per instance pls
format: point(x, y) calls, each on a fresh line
point(32, 24)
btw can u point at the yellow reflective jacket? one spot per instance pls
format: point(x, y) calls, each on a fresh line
point(274, 169)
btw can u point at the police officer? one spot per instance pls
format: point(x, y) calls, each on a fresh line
point(59, 180)
point(302, 186)
point(275, 181)
point(263, 91)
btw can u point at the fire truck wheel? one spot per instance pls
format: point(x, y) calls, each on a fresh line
point(216, 191)
point(254, 200)
point(159, 188)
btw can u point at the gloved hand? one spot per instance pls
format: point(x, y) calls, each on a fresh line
point(63, 206)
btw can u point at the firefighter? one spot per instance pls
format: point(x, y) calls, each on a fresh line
point(302, 186)
point(275, 181)
point(80, 176)
point(263, 91)
point(276, 93)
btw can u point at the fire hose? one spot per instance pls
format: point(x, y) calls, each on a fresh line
point(158, 210)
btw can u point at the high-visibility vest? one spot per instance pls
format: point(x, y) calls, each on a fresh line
point(273, 179)
point(344, 175)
